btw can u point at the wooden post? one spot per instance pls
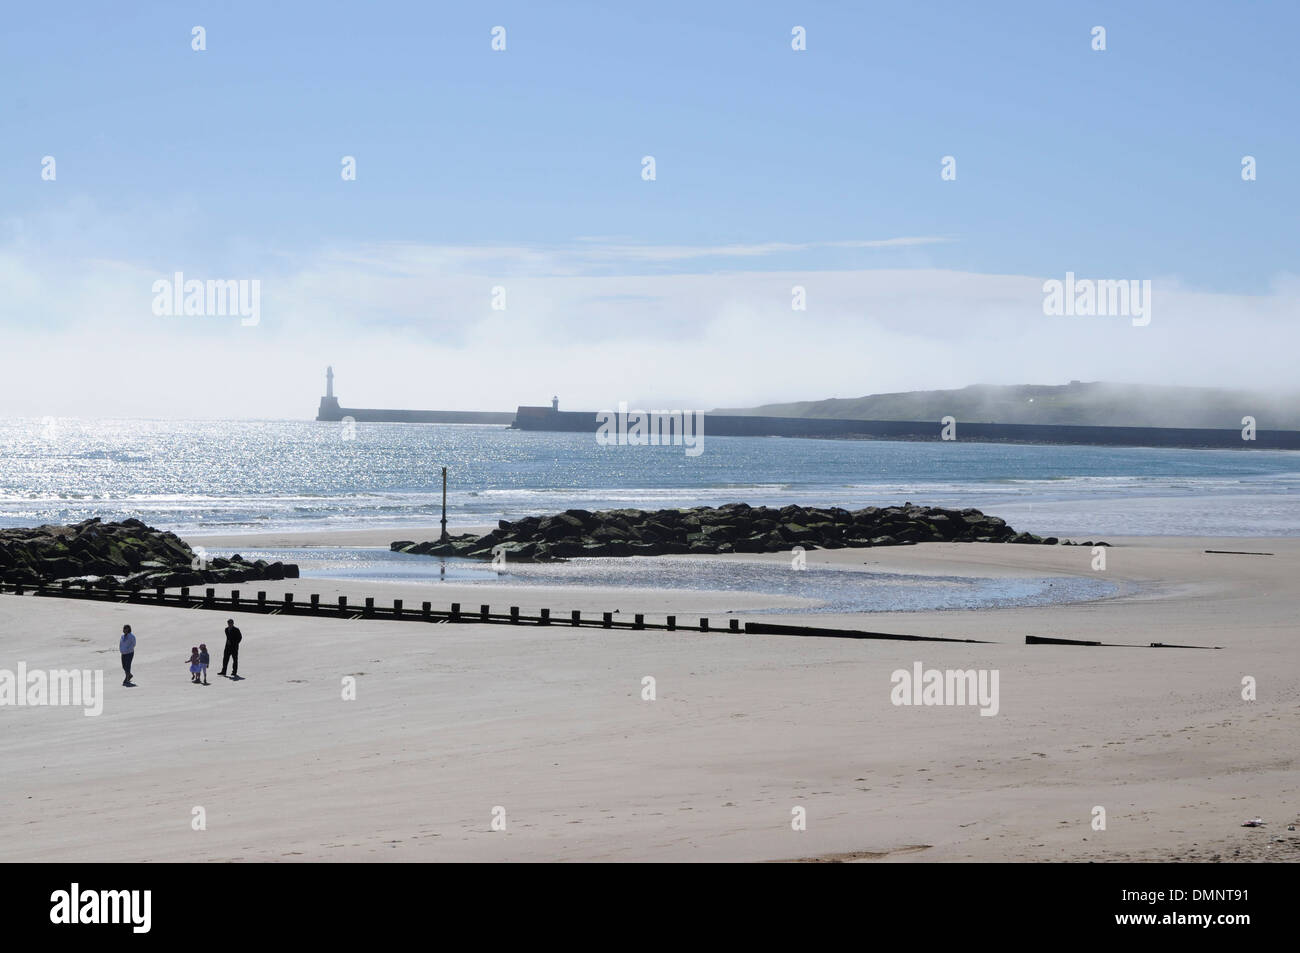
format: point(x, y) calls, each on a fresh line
point(426, 609)
point(514, 615)
point(443, 537)
point(704, 625)
point(483, 613)
point(638, 621)
point(343, 604)
point(369, 609)
point(397, 608)
point(575, 617)
point(735, 625)
point(158, 592)
point(209, 596)
point(672, 623)
point(315, 602)
point(455, 612)
point(185, 595)
point(234, 597)
point(288, 602)
point(546, 617)
point(261, 600)
point(607, 620)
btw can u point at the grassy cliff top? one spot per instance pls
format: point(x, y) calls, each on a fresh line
point(1095, 404)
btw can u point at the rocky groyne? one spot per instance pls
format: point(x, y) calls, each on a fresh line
point(733, 528)
point(125, 555)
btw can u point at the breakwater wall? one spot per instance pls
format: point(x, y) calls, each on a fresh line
point(724, 425)
point(330, 410)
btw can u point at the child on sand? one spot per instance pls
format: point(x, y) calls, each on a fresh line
point(195, 667)
point(204, 658)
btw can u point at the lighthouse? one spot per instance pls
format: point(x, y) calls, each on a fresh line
point(329, 404)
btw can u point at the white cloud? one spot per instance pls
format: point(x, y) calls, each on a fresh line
point(411, 325)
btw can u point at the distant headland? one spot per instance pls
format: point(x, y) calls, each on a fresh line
point(1078, 403)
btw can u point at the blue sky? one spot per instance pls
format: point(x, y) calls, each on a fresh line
point(1123, 163)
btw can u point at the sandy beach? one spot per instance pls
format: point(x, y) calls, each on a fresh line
point(452, 722)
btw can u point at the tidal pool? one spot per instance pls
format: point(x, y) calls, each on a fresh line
point(832, 590)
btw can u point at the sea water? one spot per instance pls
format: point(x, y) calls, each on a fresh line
point(225, 476)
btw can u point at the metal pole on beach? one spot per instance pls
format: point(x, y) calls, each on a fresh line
point(443, 538)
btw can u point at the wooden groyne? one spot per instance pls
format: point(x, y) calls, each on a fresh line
point(773, 628)
point(264, 604)
point(1042, 640)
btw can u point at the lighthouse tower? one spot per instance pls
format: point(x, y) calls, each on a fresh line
point(329, 404)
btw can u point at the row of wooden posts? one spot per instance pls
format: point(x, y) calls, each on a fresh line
point(83, 589)
point(426, 613)
point(343, 609)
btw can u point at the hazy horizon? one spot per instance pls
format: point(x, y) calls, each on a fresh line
point(1279, 402)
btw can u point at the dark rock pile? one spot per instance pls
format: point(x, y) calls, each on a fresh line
point(125, 555)
point(733, 528)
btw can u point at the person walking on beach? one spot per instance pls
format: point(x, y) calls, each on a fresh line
point(127, 647)
point(231, 656)
point(195, 667)
point(204, 659)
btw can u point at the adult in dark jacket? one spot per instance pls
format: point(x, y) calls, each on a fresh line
point(230, 658)
point(126, 645)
